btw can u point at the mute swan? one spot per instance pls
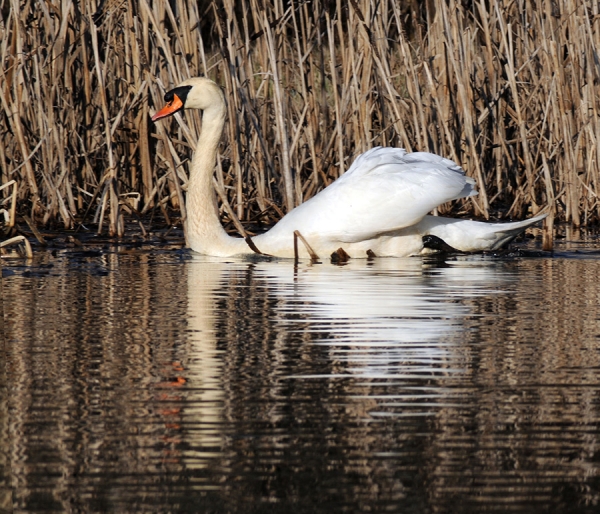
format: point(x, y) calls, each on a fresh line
point(379, 206)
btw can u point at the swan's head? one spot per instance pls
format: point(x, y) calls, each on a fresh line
point(194, 93)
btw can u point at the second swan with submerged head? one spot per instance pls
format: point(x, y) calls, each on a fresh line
point(378, 207)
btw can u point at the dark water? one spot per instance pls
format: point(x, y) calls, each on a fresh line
point(153, 381)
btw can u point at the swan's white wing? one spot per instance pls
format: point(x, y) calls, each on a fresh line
point(385, 189)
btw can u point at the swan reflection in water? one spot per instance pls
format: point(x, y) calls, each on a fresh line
point(400, 319)
point(324, 370)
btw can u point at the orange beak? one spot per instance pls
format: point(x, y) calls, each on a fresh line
point(171, 108)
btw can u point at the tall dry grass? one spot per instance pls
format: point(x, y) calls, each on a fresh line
point(510, 89)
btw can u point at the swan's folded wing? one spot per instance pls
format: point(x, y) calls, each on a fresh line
point(386, 189)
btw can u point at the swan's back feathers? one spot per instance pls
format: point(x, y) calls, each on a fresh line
point(429, 159)
point(385, 155)
point(385, 189)
point(442, 179)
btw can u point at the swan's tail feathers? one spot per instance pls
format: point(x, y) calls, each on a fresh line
point(477, 236)
point(506, 232)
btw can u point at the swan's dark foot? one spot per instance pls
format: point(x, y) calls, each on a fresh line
point(339, 256)
point(370, 255)
point(437, 243)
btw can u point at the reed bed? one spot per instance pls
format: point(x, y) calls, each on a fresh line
point(509, 89)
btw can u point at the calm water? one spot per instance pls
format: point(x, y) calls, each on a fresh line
point(157, 381)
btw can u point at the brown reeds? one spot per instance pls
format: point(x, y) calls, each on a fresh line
point(510, 89)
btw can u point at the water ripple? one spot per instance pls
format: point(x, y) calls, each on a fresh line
point(148, 382)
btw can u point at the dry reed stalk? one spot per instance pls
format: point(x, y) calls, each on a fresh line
point(9, 215)
point(509, 89)
point(18, 240)
point(281, 126)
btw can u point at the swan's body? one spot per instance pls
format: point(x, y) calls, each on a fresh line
point(380, 204)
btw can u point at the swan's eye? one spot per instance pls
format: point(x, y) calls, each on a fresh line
point(181, 92)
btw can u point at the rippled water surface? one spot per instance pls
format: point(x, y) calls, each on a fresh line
point(158, 381)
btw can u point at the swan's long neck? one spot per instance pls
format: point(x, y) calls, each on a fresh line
point(204, 231)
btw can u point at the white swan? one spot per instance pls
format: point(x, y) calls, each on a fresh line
point(379, 205)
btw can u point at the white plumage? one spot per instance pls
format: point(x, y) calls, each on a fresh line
point(380, 204)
